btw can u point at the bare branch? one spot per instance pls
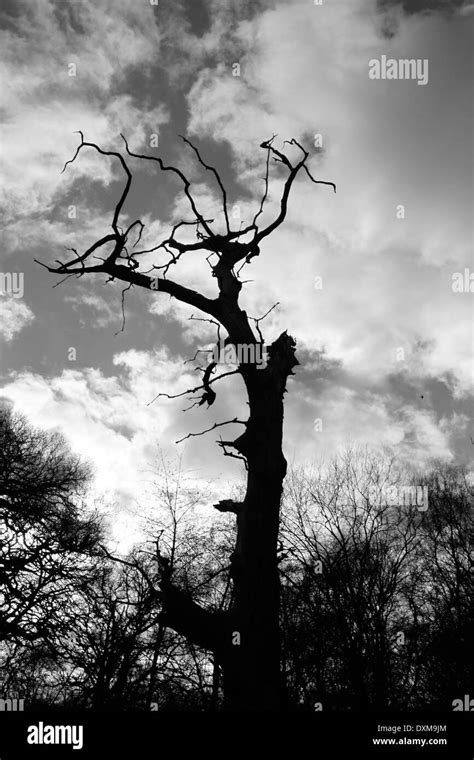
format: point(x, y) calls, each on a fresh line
point(216, 425)
point(259, 319)
point(182, 177)
point(123, 308)
point(209, 394)
point(216, 174)
point(194, 390)
point(203, 319)
point(136, 566)
point(90, 250)
point(57, 284)
point(265, 194)
point(228, 505)
point(280, 157)
point(193, 359)
point(204, 350)
point(277, 155)
point(226, 453)
point(129, 229)
point(318, 181)
point(121, 201)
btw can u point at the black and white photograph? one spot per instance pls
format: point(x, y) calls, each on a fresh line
point(236, 377)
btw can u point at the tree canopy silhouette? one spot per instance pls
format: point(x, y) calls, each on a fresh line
point(45, 532)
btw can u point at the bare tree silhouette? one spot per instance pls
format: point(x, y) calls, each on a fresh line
point(245, 640)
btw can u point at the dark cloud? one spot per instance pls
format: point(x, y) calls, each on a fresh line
point(420, 6)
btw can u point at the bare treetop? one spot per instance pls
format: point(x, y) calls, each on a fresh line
point(236, 245)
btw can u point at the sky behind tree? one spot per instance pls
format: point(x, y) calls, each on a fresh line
point(384, 341)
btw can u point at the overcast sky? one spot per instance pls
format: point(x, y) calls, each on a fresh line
point(385, 344)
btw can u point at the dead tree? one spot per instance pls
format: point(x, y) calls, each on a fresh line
point(245, 640)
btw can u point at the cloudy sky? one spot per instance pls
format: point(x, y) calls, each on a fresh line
point(364, 277)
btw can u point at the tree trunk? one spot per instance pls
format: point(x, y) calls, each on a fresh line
point(252, 678)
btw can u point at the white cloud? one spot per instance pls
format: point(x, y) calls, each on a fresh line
point(326, 422)
point(43, 105)
point(109, 421)
point(92, 309)
point(14, 316)
point(386, 281)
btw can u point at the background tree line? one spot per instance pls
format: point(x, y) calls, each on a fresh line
point(376, 600)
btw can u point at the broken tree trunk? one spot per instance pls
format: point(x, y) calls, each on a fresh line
point(251, 661)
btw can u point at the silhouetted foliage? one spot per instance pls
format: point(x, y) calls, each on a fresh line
point(45, 532)
point(376, 599)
